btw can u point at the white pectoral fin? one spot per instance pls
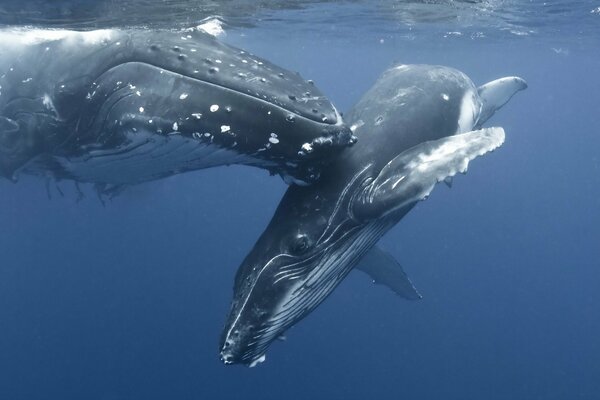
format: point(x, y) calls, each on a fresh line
point(383, 269)
point(497, 93)
point(411, 176)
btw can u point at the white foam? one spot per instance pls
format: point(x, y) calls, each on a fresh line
point(24, 36)
point(212, 26)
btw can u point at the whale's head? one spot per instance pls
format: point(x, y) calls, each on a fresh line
point(191, 85)
point(308, 248)
point(203, 103)
point(411, 137)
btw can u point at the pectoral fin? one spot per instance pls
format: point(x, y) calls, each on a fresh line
point(385, 270)
point(497, 93)
point(411, 176)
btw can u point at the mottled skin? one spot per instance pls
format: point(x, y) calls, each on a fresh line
point(82, 92)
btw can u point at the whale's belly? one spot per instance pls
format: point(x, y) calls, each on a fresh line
point(146, 156)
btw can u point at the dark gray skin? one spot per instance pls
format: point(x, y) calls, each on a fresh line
point(410, 126)
point(81, 97)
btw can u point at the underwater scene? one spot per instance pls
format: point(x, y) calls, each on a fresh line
point(299, 199)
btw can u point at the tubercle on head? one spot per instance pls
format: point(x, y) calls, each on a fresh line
point(328, 141)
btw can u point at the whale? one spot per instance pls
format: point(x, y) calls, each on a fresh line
point(417, 126)
point(121, 107)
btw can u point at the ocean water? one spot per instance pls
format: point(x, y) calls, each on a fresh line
point(126, 300)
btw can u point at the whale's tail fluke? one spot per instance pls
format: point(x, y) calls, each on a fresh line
point(497, 93)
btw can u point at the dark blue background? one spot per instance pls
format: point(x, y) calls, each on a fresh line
point(127, 301)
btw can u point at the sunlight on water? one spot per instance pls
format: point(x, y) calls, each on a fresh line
point(466, 18)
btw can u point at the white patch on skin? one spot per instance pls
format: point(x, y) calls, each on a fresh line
point(357, 125)
point(214, 108)
point(307, 147)
point(273, 140)
point(225, 128)
point(445, 97)
point(141, 109)
point(197, 115)
point(47, 102)
point(183, 96)
point(469, 112)
point(175, 126)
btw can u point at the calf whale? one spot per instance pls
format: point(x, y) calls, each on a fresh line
point(415, 128)
point(120, 107)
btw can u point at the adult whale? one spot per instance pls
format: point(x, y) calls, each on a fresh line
point(119, 107)
point(415, 128)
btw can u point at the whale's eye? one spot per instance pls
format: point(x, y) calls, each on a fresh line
point(300, 244)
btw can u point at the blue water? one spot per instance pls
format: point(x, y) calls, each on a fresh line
point(127, 301)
